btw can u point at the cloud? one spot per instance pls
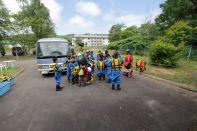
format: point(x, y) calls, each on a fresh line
point(55, 11)
point(108, 17)
point(131, 19)
point(88, 8)
point(54, 7)
point(79, 22)
point(12, 5)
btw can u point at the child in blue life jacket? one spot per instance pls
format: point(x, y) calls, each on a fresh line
point(108, 64)
point(116, 71)
point(101, 67)
point(68, 70)
point(74, 66)
point(58, 74)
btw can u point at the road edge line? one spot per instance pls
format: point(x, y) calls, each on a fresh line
point(18, 73)
point(183, 86)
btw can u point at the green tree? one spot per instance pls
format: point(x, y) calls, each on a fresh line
point(149, 30)
point(179, 33)
point(129, 32)
point(37, 18)
point(31, 23)
point(80, 43)
point(115, 32)
point(4, 21)
point(175, 10)
point(164, 54)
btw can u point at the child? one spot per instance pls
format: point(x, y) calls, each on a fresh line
point(83, 73)
point(128, 63)
point(116, 71)
point(101, 67)
point(108, 64)
point(73, 65)
point(68, 70)
point(58, 74)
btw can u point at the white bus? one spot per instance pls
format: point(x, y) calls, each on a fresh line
point(49, 48)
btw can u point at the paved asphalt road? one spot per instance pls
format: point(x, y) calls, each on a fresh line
point(142, 105)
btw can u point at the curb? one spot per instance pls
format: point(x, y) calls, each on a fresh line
point(22, 70)
point(183, 86)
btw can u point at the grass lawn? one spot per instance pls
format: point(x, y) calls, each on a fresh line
point(11, 71)
point(185, 72)
point(3, 58)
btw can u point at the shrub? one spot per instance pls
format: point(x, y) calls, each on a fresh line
point(165, 54)
point(131, 41)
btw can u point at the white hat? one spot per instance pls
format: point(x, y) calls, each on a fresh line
point(79, 54)
point(89, 69)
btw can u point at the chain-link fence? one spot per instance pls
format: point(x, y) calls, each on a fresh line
point(138, 49)
point(190, 52)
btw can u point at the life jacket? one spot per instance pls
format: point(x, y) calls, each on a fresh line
point(101, 65)
point(142, 66)
point(116, 64)
point(54, 65)
point(138, 63)
point(128, 60)
point(75, 71)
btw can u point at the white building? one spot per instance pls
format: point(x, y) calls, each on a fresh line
point(92, 39)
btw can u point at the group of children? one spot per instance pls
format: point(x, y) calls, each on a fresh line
point(80, 68)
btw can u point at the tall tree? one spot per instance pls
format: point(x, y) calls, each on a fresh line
point(115, 32)
point(37, 17)
point(80, 43)
point(175, 10)
point(179, 33)
point(4, 21)
point(129, 32)
point(149, 30)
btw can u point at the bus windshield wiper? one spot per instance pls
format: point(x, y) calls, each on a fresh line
point(47, 57)
point(44, 57)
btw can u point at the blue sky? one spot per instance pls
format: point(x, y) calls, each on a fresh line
point(96, 16)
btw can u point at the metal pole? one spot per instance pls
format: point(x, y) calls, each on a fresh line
point(190, 50)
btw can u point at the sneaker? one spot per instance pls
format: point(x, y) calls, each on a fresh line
point(118, 87)
point(113, 87)
point(99, 78)
point(59, 89)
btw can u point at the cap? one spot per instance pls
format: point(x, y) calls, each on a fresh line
point(127, 50)
point(79, 54)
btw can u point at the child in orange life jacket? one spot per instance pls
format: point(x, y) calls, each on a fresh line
point(73, 65)
point(101, 67)
point(116, 71)
point(58, 74)
point(141, 65)
point(128, 63)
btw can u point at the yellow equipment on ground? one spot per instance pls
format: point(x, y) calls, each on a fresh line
point(4, 78)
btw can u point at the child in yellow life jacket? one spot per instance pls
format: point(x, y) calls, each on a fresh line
point(73, 65)
point(101, 67)
point(58, 74)
point(141, 65)
point(116, 71)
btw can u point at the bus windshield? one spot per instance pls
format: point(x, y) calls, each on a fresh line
point(52, 49)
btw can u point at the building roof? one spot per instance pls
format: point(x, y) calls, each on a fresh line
point(91, 35)
point(52, 40)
